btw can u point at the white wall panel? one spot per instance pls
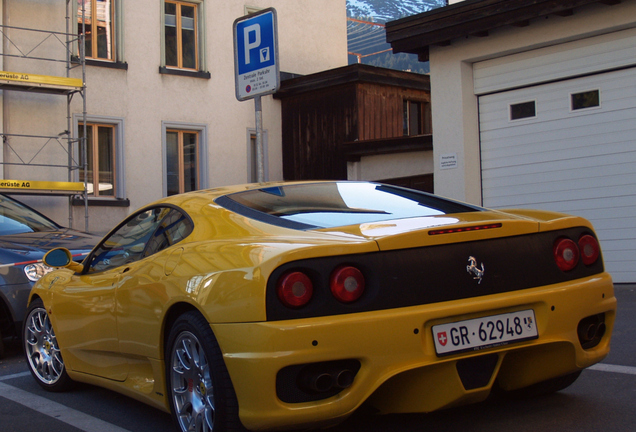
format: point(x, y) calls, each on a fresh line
point(585, 56)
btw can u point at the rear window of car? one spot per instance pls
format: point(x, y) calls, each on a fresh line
point(333, 204)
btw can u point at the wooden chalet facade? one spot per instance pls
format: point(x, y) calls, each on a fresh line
point(339, 117)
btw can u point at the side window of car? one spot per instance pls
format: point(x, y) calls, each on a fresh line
point(173, 228)
point(129, 242)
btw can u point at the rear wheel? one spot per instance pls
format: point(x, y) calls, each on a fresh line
point(1, 345)
point(42, 350)
point(201, 395)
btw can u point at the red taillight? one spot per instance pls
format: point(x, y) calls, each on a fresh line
point(294, 289)
point(590, 250)
point(566, 254)
point(347, 284)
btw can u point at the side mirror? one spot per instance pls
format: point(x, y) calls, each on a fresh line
point(61, 257)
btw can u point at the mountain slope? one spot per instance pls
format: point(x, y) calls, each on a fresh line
point(367, 42)
point(381, 11)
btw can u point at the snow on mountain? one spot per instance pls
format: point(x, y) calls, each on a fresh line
point(381, 11)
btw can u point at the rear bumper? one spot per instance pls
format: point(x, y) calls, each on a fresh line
point(399, 369)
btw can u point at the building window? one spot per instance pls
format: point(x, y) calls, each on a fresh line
point(184, 163)
point(104, 150)
point(585, 100)
point(251, 9)
point(101, 24)
point(413, 118)
point(181, 35)
point(100, 158)
point(523, 110)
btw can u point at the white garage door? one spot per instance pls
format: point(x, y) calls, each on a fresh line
point(579, 161)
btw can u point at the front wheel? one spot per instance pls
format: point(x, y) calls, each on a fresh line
point(42, 350)
point(202, 397)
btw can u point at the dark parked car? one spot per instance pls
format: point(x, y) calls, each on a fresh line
point(25, 236)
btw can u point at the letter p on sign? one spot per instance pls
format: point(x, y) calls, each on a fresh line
point(249, 44)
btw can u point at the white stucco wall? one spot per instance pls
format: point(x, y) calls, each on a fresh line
point(311, 39)
point(454, 104)
point(381, 167)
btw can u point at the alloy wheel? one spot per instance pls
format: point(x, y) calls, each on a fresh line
point(41, 347)
point(191, 381)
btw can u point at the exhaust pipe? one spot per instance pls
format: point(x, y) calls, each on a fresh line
point(591, 330)
point(319, 383)
point(319, 379)
point(315, 381)
point(344, 379)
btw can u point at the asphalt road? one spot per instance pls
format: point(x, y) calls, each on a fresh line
point(602, 399)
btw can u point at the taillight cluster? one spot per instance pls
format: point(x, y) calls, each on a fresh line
point(568, 253)
point(295, 288)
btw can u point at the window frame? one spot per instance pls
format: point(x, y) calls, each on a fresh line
point(201, 151)
point(117, 22)
point(201, 67)
point(247, 10)
point(251, 156)
point(423, 118)
point(102, 251)
point(526, 101)
point(118, 149)
point(574, 110)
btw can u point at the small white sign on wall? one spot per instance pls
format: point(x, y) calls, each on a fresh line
point(448, 161)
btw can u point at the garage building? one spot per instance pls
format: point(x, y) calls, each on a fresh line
point(536, 103)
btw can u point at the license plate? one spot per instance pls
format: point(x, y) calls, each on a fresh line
point(487, 332)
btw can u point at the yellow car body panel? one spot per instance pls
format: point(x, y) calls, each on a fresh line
point(398, 357)
point(112, 325)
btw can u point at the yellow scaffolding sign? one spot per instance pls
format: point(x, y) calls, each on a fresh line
point(26, 81)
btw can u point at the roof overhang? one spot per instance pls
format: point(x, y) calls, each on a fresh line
point(352, 74)
point(415, 34)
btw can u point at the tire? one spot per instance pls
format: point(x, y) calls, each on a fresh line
point(42, 350)
point(1, 346)
point(201, 394)
point(545, 387)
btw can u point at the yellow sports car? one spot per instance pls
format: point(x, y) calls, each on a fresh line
point(288, 305)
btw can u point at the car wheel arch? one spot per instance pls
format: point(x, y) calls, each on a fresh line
point(172, 315)
point(188, 322)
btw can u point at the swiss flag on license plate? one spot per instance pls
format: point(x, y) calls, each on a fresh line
point(442, 338)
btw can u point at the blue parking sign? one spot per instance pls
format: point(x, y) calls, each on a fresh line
point(256, 54)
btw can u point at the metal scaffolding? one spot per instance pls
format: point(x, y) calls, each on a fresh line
point(74, 48)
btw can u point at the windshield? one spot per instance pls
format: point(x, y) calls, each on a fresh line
point(17, 218)
point(329, 205)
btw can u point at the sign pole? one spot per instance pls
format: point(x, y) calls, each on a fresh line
point(256, 69)
point(260, 157)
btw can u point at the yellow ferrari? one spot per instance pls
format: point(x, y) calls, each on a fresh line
point(289, 305)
